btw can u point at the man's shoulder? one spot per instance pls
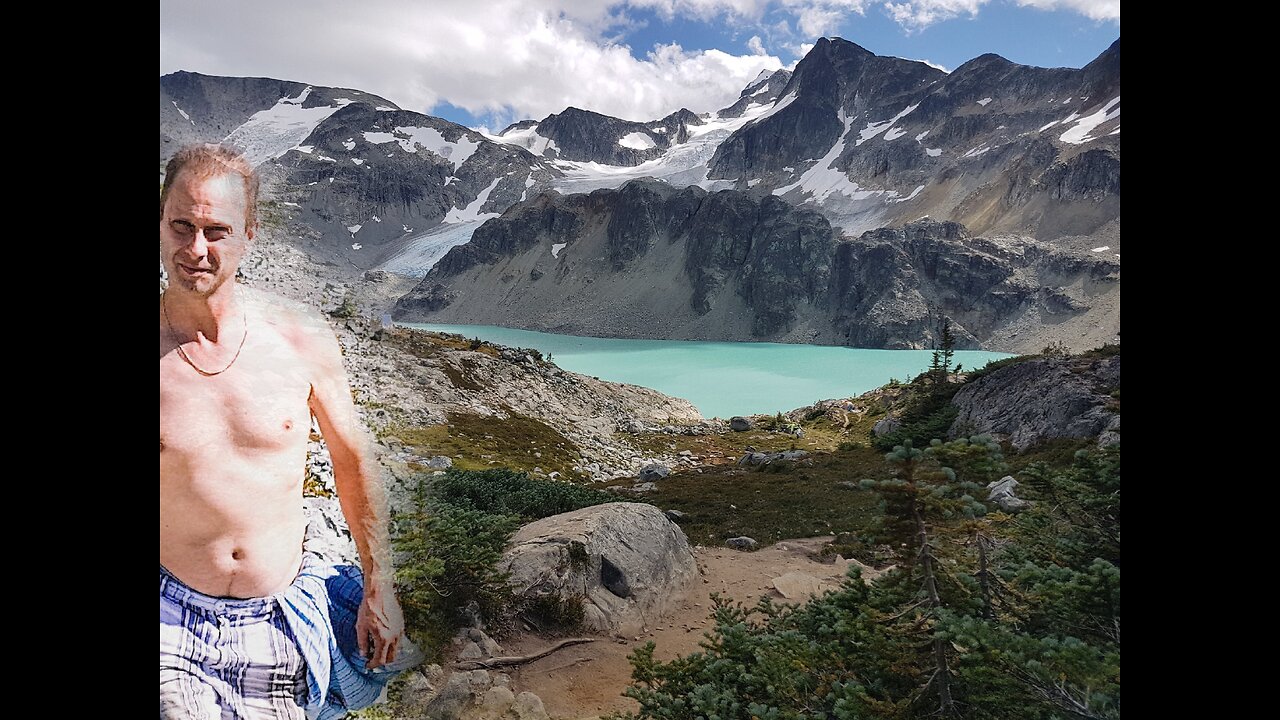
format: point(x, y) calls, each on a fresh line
point(299, 323)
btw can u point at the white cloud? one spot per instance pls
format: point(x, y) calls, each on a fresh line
point(919, 14)
point(512, 59)
point(508, 58)
point(915, 15)
point(1095, 9)
point(934, 65)
point(799, 51)
point(816, 18)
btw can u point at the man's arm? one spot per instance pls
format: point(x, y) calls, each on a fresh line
point(360, 493)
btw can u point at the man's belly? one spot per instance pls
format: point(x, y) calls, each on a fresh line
point(231, 537)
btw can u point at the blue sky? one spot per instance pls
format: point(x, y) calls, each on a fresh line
point(492, 62)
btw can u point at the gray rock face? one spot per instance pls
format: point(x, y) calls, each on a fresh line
point(327, 532)
point(637, 563)
point(995, 145)
point(1041, 399)
point(740, 424)
point(405, 169)
point(208, 108)
point(364, 178)
point(587, 136)
point(742, 543)
point(766, 88)
point(753, 269)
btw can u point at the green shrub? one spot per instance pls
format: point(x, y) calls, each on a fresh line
point(994, 365)
point(508, 492)
point(348, 308)
point(447, 558)
point(450, 542)
point(1044, 646)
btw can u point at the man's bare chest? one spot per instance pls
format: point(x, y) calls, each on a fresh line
point(258, 404)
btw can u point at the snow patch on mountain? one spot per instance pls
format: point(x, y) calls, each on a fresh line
point(422, 252)
point(874, 129)
point(681, 165)
point(822, 180)
point(1080, 133)
point(182, 112)
point(412, 138)
point(637, 141)
point(272, 132)
point(527, 138)
point(472, 211)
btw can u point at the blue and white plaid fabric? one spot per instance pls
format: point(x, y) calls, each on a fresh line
point(267, 657)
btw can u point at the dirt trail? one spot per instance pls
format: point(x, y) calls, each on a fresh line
point(586, 681)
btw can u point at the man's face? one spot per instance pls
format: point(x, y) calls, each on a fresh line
point(202, 233)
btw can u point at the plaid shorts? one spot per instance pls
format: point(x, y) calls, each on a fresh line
point(224, 658)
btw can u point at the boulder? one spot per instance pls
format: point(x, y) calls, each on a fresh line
point(798, 586)
point(459, 695)
point(650, 473)
point(627, 562)
point(740, 424)
point(886, 425)
point(529, 707)
point(1041, 399)
point(742, 543)
point(440, 462)
point(1002, 495)
point(759, 458)
point(477, 695)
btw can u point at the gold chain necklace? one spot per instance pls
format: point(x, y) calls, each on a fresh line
point(164, 308)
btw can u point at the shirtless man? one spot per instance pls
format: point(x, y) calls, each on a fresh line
point(250, 626)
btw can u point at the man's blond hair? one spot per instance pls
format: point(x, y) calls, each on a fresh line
point(206, 161)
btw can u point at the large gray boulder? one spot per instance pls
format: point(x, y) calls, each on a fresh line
point(1041, 399)
point(627, 561)
point(650, 473)
point(1002, 495)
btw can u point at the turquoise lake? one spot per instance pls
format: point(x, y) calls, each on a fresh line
point(724, 378)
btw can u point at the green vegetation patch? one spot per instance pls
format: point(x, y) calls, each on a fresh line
point(985, 616)
point(791, 500)
point(507, 492)
point(478, 442)
point(429, 344)
point(450, 542)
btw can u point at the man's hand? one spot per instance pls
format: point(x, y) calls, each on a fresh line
point(379, 625)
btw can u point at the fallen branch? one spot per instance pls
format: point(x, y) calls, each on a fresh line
point(562, 666)
point(497, 662)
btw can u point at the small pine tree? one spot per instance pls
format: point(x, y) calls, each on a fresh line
point(944, 349)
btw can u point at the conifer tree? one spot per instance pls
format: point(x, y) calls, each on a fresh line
point(944, 349)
